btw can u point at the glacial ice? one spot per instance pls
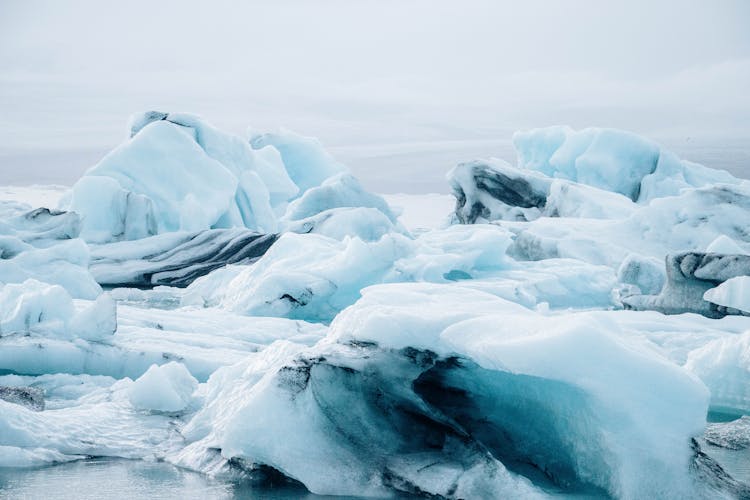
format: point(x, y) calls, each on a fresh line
point(342, 190)
point(724, 366)
point(612, 160)
point(272, 318)
point(404, 357)
point(692, 275)
point(166, 388)
point(40, 308)
point(201, 339)
point(178, 173)
point(733, 293)
point(488, 190)
point(175, 259)
point(734, 435)
point(314, 277)
point(42, 245)
point(305, 160)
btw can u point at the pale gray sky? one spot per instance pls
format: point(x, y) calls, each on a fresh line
point(397, 89)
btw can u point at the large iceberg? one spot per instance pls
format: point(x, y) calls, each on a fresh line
point(410, 392)
point(178, 173)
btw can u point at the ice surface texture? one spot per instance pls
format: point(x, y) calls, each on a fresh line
point(175, 259)
point(691, 276)
point(306, 333)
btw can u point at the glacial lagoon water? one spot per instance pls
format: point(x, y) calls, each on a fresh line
point(103, 479)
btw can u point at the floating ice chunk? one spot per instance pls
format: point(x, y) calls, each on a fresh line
point(64, 264)
point(101, 423)
point(40, 227)
point(389, 402)
point(40, 308)
point(342, 190)
point(306, 162)
point(367, 224)
point(506, 339)
point(667, 225)
point(160, 180)
point(178, 173)
point(165, 388)
point(734, 435)
point(97, 321)
point(613, 160)
point(311, 276)
point(692, 275)
point(726, 245)
point(733, 293)
point(724, 366)
point(609, 159)
point(343, 433)
point(487, 190)
point(34, 305)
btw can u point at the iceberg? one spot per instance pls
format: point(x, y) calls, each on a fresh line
point(178, 173)
point(411, 393)
point(613, 160)
point(488, 190)
point(40, 308)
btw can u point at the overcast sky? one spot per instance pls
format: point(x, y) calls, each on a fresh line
point(376, 80)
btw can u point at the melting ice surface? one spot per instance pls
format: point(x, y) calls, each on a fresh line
point(205, 315)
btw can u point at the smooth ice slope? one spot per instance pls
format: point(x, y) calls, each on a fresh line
point(306, 162)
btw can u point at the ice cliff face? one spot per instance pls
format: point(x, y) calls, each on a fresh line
point(267, 316)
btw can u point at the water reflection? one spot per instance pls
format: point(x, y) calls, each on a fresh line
point(132, 479)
